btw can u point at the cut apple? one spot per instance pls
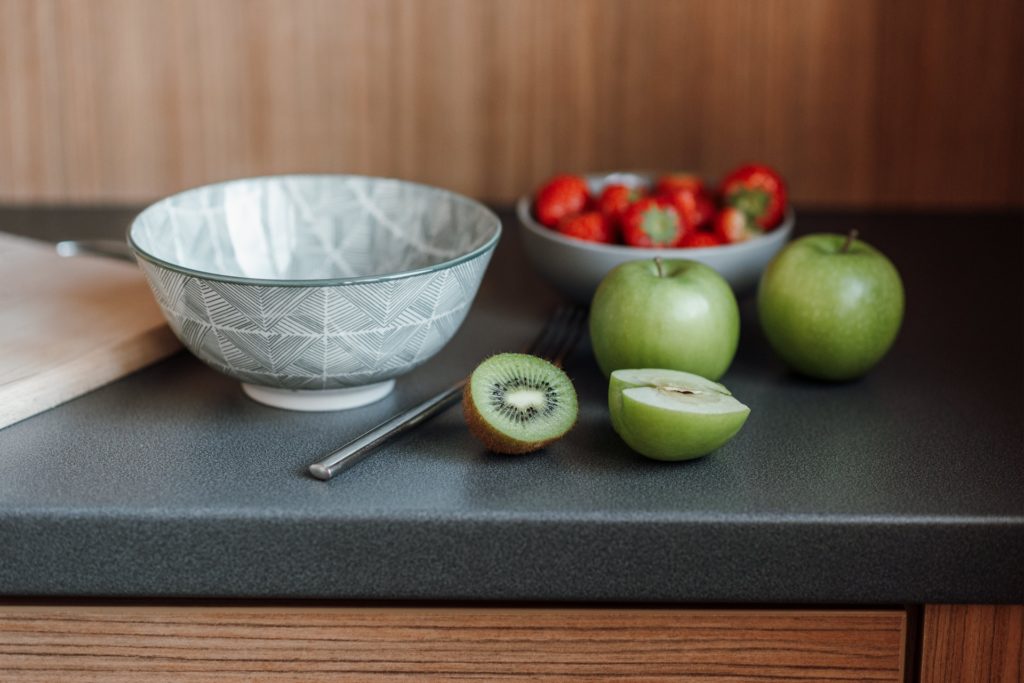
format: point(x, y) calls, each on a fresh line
point(672, 415)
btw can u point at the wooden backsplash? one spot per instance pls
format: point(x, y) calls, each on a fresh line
point(858, 102)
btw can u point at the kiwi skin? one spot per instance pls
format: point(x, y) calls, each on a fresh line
point(494, 440)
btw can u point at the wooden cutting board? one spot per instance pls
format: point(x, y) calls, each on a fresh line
point(69, 325)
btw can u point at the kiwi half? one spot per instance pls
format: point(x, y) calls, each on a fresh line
point(516, 403)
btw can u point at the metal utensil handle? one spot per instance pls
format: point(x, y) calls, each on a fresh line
point(359, 448)
point(97, 247)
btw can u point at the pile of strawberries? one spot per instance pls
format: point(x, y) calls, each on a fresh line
point(679, 210)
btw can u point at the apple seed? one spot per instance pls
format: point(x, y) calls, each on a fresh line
point(669, 389)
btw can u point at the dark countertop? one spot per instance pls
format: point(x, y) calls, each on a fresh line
point(904, 487)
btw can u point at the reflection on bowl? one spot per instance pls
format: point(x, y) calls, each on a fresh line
point(575, 267)
point(315, 291)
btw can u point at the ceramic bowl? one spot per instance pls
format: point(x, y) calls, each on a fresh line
point(575, 267)
point(315, 291)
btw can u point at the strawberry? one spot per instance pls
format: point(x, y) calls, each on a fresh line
point(559, 197)
point(592, 226)
point(758, 191)
point(732, 225)
point(679, 181)
point(652, 222)
point(615, 198)
point(690, 196)
point(701, 239)
point(695, 207)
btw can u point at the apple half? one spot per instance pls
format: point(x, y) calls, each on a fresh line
point(672, 415)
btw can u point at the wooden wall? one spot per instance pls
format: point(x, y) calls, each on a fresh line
point(858, 102)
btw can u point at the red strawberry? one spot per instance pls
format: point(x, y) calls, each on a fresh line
point(690, 196)
point(732, 225)
point(701, 239)
point(758, 191)
point(679, 181)
point(559, 197)
point(694, 206)
point(591, 226)
point(615, 199)
point(652, 222)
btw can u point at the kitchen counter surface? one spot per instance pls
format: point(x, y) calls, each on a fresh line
point(904, 487)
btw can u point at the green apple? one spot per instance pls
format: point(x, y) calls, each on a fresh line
point(830, 305)
point(672, 415)
point(676, 314)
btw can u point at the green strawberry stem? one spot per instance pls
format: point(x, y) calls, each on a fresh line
point(751, 201)
point(849, 241)
point(660, 225)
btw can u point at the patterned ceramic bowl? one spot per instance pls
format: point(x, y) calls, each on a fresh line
point(315, 291)
point(575, 267)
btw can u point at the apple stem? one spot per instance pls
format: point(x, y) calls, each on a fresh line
point(849, 241)
point(657, 262)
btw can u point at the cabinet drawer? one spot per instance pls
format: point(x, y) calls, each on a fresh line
point(296, 643)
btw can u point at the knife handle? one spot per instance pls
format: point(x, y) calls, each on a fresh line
point(97, 247)
point(357, 449)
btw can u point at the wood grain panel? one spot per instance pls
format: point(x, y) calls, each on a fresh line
point(121, 643)
point(969, 643)
point(859, 102)
point(951, 102)
point(31, 136)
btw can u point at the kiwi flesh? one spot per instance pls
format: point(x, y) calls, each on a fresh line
point(517, 403)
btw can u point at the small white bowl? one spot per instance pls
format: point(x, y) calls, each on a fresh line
point(575, 267)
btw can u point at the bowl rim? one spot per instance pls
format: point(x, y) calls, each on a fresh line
point(488, 245)
point(779, 233)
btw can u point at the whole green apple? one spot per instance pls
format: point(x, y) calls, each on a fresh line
point(675, 314)
point(672, 415)
point(830, 305)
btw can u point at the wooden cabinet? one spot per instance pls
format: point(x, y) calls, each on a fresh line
point(973, 643)
point(132, 642)
point(358, 643)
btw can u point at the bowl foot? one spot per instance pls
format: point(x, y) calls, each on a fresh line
point(312, 400)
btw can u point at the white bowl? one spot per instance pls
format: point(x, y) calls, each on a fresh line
point(315, 291)
point(575, 267)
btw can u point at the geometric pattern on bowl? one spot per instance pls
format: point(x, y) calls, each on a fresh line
point(337, 281)
point(316, 337)
point(311, 227)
